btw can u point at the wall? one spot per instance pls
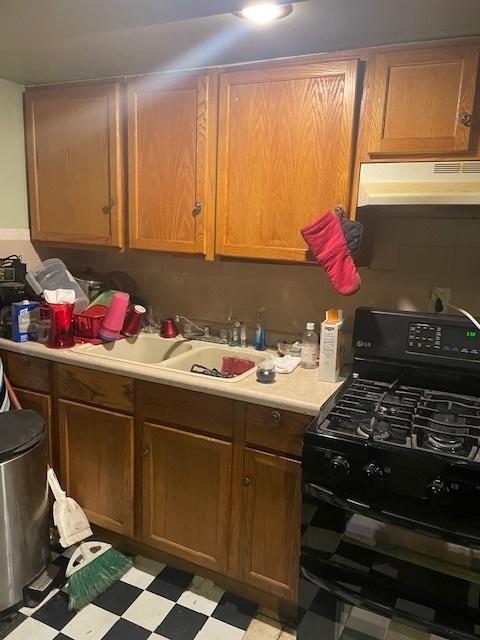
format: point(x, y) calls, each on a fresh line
point(410, 255)
point(14, 234)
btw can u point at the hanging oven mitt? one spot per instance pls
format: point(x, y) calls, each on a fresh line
point(352, 230)
point(327, 243)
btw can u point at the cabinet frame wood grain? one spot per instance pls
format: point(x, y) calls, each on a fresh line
point(382, 65)
point(113, 206)
point(160, 539)
point(204, 161)
point(348, 69)
point(125, 487)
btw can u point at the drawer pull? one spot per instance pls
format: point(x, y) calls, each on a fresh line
point(276, 416)
point(247, 482)
point(146, 451)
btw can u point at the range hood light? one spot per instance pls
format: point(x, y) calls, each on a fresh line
point(265, 12)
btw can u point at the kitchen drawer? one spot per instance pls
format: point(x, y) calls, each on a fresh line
point(25, 371)
point(275, 429)
point(184, 408)
point(95, 387)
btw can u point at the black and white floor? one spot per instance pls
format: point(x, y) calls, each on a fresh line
point(156, 602)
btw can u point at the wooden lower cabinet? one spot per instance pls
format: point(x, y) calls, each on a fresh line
point(97, 463)
point(271, 523)
point(41, 403)
point(186, 494)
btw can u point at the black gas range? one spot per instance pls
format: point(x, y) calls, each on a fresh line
point(391, 475)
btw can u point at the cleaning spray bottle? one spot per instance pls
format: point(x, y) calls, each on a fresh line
point(260, 333)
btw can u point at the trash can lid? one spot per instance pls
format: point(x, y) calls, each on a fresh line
point(19, 431)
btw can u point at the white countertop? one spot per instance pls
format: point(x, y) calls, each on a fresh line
point(300, 391)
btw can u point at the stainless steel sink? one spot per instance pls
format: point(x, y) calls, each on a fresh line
point(141, 349)
point(212, 357)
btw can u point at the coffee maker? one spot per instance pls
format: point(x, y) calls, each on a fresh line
point(13, 288)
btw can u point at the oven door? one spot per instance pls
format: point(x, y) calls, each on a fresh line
point(383, 564)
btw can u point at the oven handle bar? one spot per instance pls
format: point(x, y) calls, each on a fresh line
point(357, 600)
point(326, 495)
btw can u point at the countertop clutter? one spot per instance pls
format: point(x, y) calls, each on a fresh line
point(300, 391)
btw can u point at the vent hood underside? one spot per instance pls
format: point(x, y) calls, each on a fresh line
point(410, 183)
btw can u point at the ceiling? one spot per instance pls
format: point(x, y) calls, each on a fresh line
point(55, 40)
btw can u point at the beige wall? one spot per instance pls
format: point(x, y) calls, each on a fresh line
point(410, 256)
point(13, 191)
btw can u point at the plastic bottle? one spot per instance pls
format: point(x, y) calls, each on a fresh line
point(308, 357)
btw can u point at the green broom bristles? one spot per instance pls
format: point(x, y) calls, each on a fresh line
point(96, 577)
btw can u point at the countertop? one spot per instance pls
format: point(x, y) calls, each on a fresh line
point(300, 391)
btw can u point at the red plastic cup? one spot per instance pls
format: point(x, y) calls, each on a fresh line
point(61, 328)
point(113, 322)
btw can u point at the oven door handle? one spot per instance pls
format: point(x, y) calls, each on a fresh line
point(321, 493)
point(465, 538)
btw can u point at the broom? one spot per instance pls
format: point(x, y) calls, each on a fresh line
point(94, 566)
point(92, 569)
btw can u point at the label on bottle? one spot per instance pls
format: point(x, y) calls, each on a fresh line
point(309, 354)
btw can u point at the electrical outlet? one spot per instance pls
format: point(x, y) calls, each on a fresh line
point(439, 300)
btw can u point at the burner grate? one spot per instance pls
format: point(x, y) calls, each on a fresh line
point(397, 414)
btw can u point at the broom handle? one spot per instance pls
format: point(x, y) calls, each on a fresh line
point(13, 396)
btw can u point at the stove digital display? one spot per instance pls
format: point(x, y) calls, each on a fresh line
point(447, 341)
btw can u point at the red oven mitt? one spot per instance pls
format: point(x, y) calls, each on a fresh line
point(326, 240)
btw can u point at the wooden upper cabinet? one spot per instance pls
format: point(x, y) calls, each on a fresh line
point(422, 101)
point(285, 154)
point(75, 164)
point(171, 148)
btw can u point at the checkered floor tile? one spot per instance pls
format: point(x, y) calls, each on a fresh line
point(152, 601)
point(156, 602)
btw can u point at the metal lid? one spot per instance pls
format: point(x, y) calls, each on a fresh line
point(19, 432)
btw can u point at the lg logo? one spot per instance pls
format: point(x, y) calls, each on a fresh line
point(363, 343)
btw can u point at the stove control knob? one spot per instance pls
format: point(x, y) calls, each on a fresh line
point(438, 492)
point(339, 467)
point(372, 472)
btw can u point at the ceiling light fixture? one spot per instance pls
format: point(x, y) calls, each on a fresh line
point(264, 12)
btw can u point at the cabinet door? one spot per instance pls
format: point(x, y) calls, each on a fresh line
point(271, 523)
point(96, 452)
point(285, 155)
point(171, 146)
point(75, 164)
point(422, 101)
point(186, 495)
point(42, 404)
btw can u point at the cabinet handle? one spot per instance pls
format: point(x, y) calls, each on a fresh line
point(146, 451)
point(197, 208)
point(465, 118)
point(276, 416)
point(108, 207)
point(247, 482)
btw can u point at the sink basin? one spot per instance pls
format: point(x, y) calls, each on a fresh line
point(141, 349)
point(212, 357)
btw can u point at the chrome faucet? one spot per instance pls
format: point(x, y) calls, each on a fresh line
point(203, 333)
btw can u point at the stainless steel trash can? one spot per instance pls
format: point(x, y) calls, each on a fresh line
point(24, 527)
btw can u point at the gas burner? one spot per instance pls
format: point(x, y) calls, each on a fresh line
point(445, 443)
point(376, 429)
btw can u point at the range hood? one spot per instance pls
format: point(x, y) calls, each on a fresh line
point(419, 183)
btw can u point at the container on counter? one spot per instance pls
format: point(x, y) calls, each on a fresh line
point(52, 275)
point(134, 320)
point(24, 321)
point(330, 346)
point(266, 372)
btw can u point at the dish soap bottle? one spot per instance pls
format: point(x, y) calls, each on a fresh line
point(309, 352)
point(260, 332)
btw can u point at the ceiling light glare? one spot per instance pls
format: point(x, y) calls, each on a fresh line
point(265, 12)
